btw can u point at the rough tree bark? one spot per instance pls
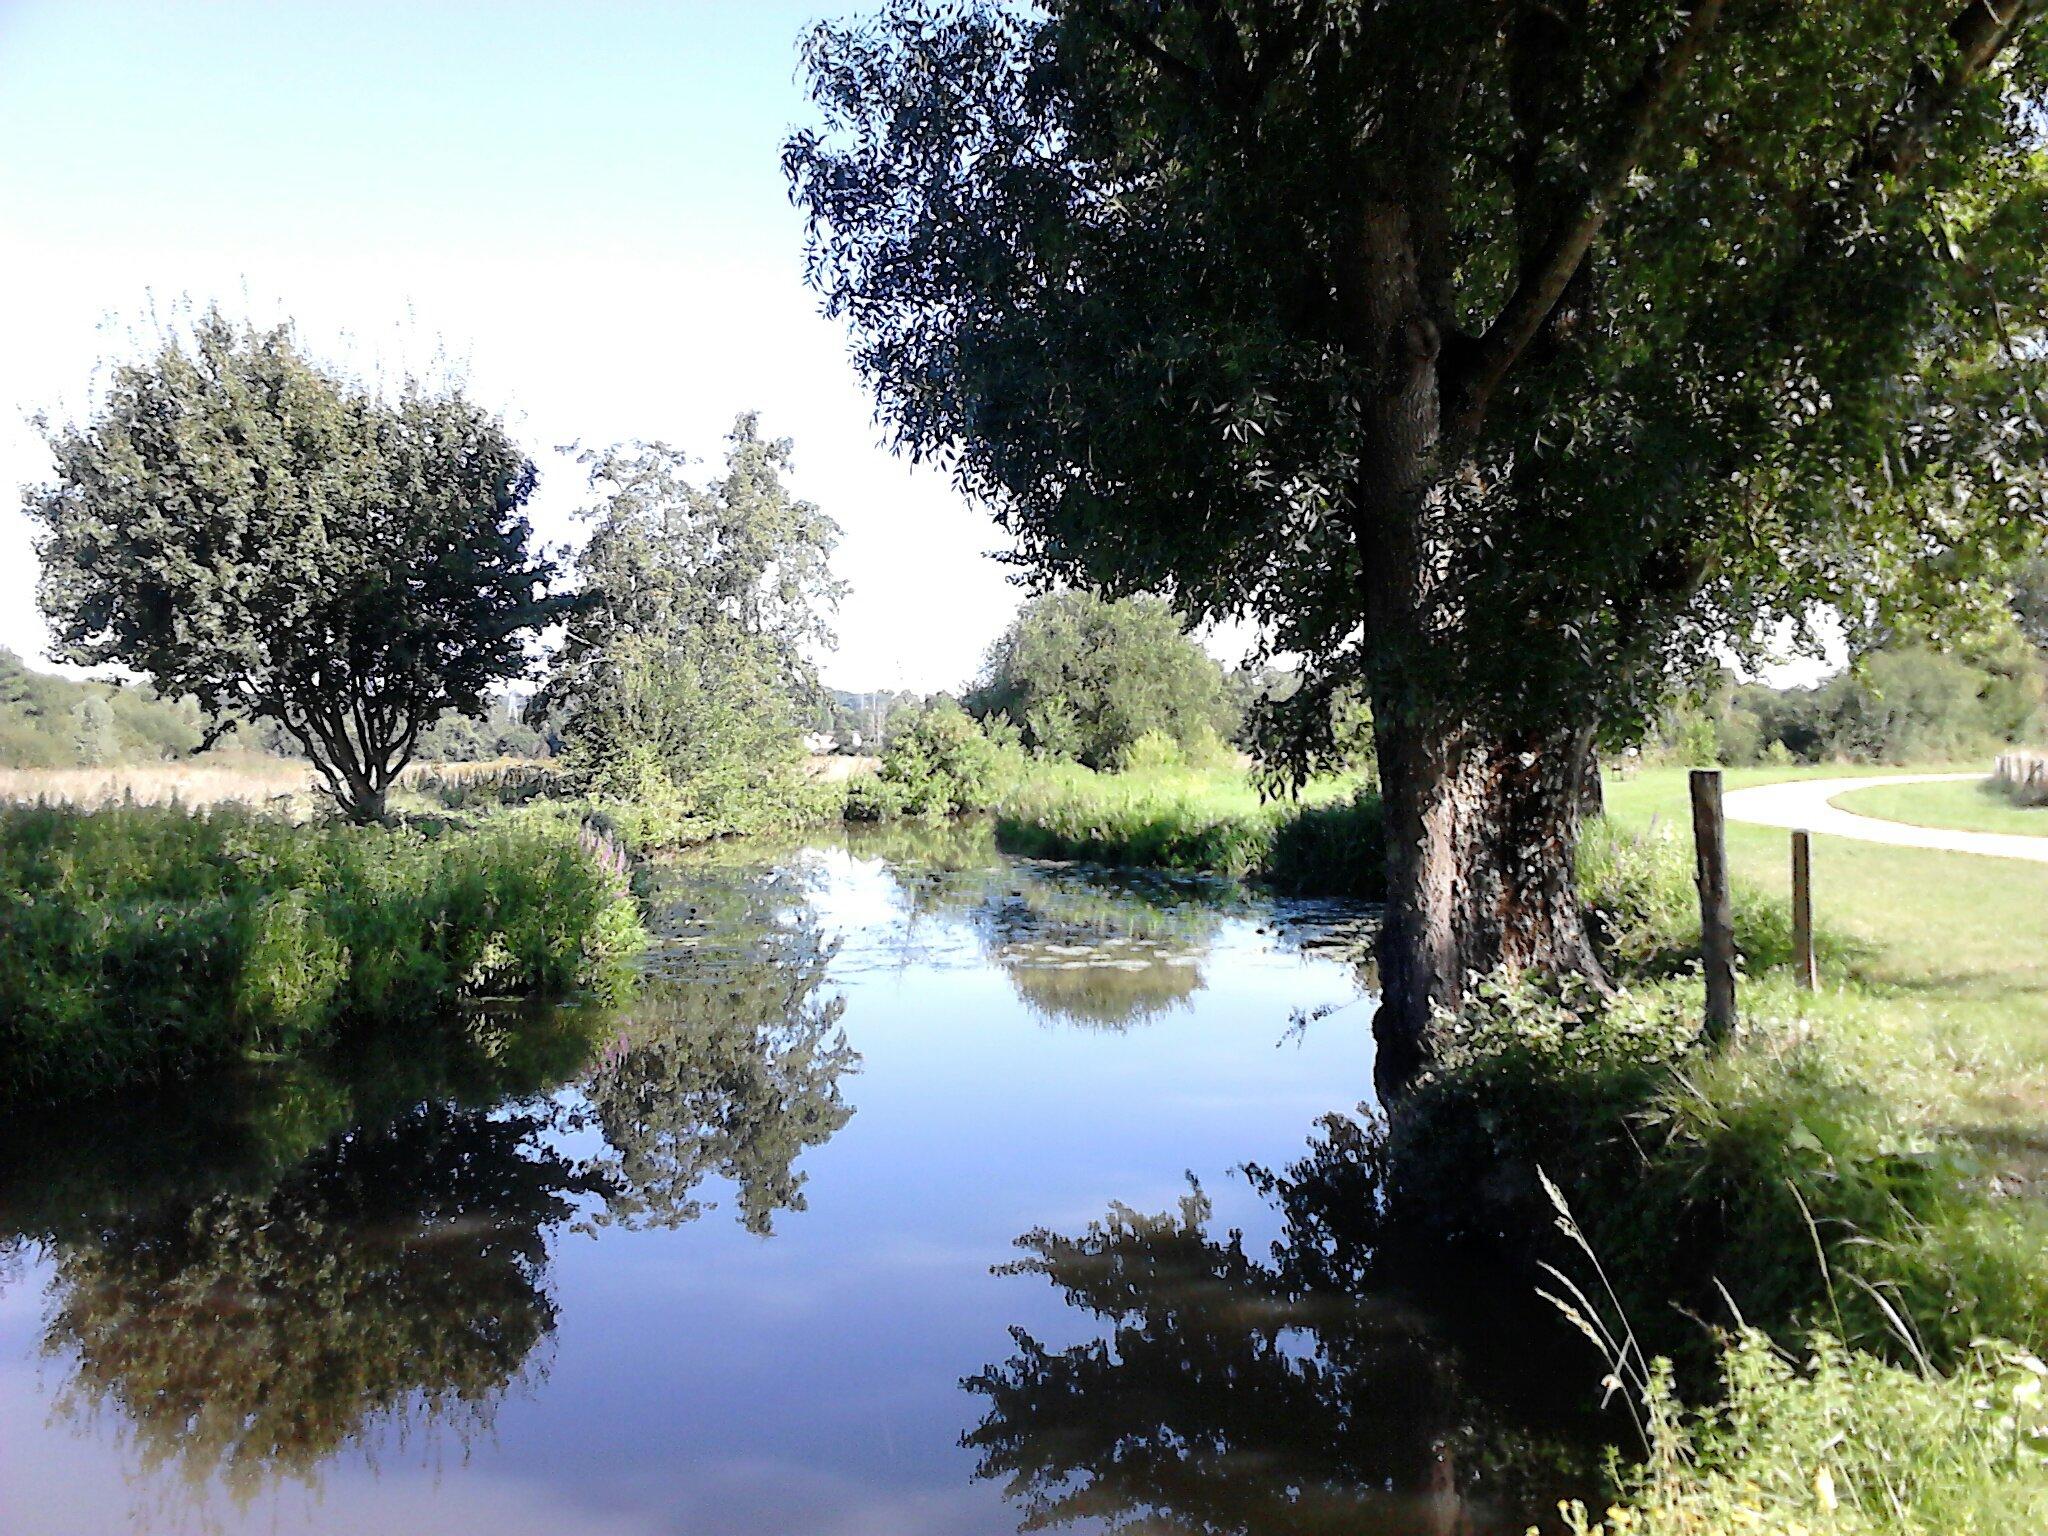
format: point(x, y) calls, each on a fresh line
point(1481, 834)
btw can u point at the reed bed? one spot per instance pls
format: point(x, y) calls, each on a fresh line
point(250, 780)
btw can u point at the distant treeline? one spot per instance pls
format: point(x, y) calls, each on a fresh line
point(1900, 704)
point(48, 721)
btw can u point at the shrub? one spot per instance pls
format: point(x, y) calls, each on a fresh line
point(1150, 753)
point(1207, 823)
point(1644, 909)
point(139, 943)
point(1778, 1174)
point(940, 763)
point(1332, 849)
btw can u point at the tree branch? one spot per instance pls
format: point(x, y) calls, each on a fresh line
point(1979, 32)
point(1897, 143)
point(1149, 48)
point(1546, 275)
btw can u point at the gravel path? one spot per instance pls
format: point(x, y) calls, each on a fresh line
point(1804, 803)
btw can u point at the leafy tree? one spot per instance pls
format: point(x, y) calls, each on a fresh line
point(940, 761)
point(1086, 677)
point(93, 731)
point(687, 659)
point(246, 526)
point(1504, 358)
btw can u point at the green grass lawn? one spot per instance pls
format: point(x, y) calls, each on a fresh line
point(1953, 946)
point(1975, 806)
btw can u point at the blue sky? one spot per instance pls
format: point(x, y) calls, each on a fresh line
point(582, 203)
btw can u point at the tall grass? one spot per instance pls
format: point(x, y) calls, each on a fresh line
point(1833, 1442)
point(1211, 822)
point(139, 943)
point(251, 778)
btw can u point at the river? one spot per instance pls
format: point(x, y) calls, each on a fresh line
point(901, 1201)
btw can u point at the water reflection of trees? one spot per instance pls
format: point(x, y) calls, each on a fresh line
point(267, 1272)
point(731, 1066)
point(1095, 948)
point(396, 1276)
point(1308, 1393)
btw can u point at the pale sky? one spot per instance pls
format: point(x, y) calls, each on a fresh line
point(582, 201)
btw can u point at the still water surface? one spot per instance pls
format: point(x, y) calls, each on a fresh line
point(872, 1215)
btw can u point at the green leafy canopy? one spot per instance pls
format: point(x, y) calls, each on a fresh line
point(1520, 355)
point(255, 530)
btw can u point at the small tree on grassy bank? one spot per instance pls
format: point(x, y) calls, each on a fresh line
point(1505, 359)
point(687, 658)
point(256, 531)
point(1088, 678)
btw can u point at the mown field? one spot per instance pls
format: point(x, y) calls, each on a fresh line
point(1977, 805)
point(1952, 946)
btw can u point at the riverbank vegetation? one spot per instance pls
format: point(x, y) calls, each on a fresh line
point(1323, 842)
point(676, 694)
point(144, 943)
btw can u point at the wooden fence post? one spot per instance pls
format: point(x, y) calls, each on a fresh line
point(1717, 912)
point(1802, 911)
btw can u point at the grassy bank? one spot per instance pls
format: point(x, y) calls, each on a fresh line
point(1825, 1221)
point(140, 943)
point(1863, 1165)
point(1206, 821)
point(1965, 805)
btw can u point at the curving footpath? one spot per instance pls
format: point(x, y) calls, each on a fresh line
point(1804, 803)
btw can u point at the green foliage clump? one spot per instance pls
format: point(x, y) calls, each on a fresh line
point(1844, 1444)
point(1332, 848)
point(943, 762)
point(499, 732)
point(1092, 679)
point(687, 740)
point(1210, 823)
point(1643, 906)
point(677, 693)
point(1780, 1174)
point(140, 943)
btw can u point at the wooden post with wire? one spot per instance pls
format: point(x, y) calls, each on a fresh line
point(1802, 911)
point(1717, 910)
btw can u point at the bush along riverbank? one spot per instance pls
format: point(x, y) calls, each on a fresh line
point(1326, 843)
point(1849, 1299)
point(140, 943)
point(1829, 1317)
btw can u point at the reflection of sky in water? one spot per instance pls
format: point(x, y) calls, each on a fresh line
point(702, 1378)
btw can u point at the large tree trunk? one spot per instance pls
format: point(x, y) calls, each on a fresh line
point(1482, 832)
point(1481, 825)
